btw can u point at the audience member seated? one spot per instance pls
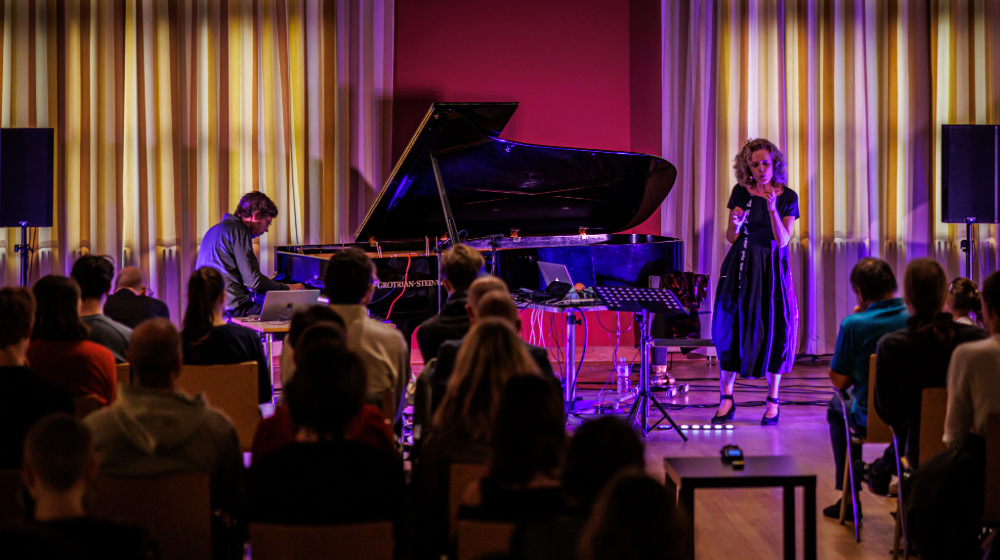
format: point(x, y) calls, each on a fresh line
point(598, 450)
point(59, 347)
point(132, 302)
point(459, 266)
point(350, 282)
point(210, 340)
point(963, 302)
point(156, 430)
point(878, 313)
point(59, 462)
point(635, 518)
point(945, 506)
point(31, 396)
point(301, 321)
point(463, 424)
point(322, 478)
point(488, 297)
point(369, 426)
point(911, 360)
point(525, 453)
point(93, 274)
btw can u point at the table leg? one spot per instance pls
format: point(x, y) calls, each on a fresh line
point(809, 504)
point(569, 348)
point(788, 493)
point(269, 352)
point(685, 505)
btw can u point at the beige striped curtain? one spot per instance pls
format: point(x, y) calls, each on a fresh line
point(855, 92)
point(167, 111)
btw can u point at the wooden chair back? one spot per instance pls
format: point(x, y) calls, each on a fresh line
point(933, 406)
point(231, 388)
point(388, 403)
point(477, 539)
point(86, 404)
point(175, 510)
point(362, 541)
point(11, 499)
point(460, 476)
point(991, 506)
point(124, 374)
point(878, 430)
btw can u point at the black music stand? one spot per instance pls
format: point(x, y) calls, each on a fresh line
point(644, 301)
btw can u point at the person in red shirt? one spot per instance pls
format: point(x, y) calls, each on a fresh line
point(59, 347)
point(368, 427)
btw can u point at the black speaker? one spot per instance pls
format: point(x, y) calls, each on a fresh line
point(970, 173)
point(26, 171)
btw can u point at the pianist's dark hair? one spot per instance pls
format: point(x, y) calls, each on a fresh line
point(349, 273)
point(204, 289)
point(741, 164)
point(255, 201)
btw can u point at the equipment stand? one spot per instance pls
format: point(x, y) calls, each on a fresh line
point(569, 347)
point(640, 410)
point(968, 247)
point(25, 249)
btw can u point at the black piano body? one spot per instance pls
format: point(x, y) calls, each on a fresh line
point(517, 203)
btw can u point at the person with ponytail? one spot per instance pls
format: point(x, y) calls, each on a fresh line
point(963, 302)
point(913, 359)
point(209, 340)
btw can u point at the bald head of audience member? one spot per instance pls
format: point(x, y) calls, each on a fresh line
point(479, 288)
point(131, 278)
point(155, 354)
point(499, 305)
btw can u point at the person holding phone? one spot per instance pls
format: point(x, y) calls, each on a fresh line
point(756, 318)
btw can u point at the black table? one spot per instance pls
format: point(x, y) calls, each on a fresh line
point(685, 474)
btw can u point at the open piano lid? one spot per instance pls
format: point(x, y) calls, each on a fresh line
point(495, 186)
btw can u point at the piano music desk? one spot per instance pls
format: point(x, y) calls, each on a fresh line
point(268, 329)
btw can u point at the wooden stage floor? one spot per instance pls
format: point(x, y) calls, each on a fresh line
point(746, 524)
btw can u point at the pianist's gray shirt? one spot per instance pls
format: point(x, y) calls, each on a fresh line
point(228, 248)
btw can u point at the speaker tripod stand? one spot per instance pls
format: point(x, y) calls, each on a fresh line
point(25, 249)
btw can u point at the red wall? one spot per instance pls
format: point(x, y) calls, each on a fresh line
point(565, 61)
point(585, 72)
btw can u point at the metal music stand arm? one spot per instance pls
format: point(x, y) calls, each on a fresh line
point(639, 415)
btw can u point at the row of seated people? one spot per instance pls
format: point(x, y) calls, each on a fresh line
point(322, 476)
point(931, 337)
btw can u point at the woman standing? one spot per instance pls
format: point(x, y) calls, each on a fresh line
point(756, 318)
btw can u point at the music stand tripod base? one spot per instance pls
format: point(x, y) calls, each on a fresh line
point(644, 301)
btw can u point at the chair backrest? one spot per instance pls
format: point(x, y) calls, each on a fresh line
point(11, 499)
point(362, 541)
point(991, 506)
point(388, 403)
point(174, 510)
point(86, 404)
point(476, 539)
point(878, 431)
point(460, 476)
point(124, 374)
point(231, 388)
point(933, 405)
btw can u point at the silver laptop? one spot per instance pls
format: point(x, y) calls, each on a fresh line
point(280, 305)
point(552, 272)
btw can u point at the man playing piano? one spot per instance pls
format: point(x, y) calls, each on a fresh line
point(228, 248)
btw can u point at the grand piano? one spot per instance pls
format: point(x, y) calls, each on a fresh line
point(517, 203)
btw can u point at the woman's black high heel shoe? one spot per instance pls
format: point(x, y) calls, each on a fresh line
point(727, 417)
point(765, 421)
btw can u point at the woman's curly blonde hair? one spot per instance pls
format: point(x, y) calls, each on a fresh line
point(741, 164)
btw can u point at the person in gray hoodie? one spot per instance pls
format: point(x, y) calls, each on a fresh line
point(153, 429)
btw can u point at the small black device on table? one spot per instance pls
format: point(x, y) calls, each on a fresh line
point(733, 455)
